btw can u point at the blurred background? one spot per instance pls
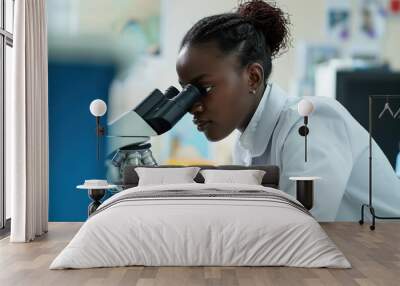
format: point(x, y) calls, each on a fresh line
point(121, 50)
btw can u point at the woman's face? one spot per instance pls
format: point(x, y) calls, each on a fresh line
point(227, 103)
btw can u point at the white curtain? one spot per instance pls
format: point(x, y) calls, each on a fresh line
point(27, 124)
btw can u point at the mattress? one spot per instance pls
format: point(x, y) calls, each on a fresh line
point(201, 225)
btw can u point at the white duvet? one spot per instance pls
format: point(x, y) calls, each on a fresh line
point(200, 231)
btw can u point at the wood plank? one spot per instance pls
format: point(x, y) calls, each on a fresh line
point(374, 255)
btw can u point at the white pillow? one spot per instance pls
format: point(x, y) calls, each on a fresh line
point(248, 177)
point(162, 176)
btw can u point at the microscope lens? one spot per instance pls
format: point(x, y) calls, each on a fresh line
point(134, 159)
point(148, 159)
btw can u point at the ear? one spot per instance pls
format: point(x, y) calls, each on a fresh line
point(255, 73)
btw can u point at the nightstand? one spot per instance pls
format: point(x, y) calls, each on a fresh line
point(305, 190)
point(96, 190)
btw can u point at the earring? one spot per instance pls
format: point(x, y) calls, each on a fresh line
point(201, 107)
point(253, 91)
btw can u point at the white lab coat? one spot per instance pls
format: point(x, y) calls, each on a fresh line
point(338, 150)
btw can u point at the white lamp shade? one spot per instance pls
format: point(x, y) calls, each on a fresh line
point(305, 107)
point(98, 107)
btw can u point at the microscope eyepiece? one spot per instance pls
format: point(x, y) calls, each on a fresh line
point(188, 96)
point(171, 92)
point(163, 111)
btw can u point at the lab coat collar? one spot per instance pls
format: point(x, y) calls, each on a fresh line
point(258, 132)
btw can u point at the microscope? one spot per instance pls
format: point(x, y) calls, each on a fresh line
point(128, 135)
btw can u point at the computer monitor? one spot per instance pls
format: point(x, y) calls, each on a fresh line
point(353, 89)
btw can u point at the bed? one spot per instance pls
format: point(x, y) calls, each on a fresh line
point(201, 224)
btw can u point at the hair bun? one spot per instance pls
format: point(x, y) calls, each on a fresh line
point(270, 20)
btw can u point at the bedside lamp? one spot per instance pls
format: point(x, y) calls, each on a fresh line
point(98, 108)
point(305, 185)
point(305, 107)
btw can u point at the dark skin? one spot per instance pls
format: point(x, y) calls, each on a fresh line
point(234, 92)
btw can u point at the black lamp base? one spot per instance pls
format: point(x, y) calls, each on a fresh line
point(305, 193)
point(96, 195)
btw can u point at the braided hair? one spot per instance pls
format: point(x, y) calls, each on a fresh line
point(256, 32)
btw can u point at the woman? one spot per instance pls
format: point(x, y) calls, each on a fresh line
point(230, 55)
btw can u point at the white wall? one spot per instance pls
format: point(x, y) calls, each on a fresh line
point(177, 18)
point(308, 24)
point(159, 72)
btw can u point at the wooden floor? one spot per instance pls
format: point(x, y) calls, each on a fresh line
point(374, 255)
